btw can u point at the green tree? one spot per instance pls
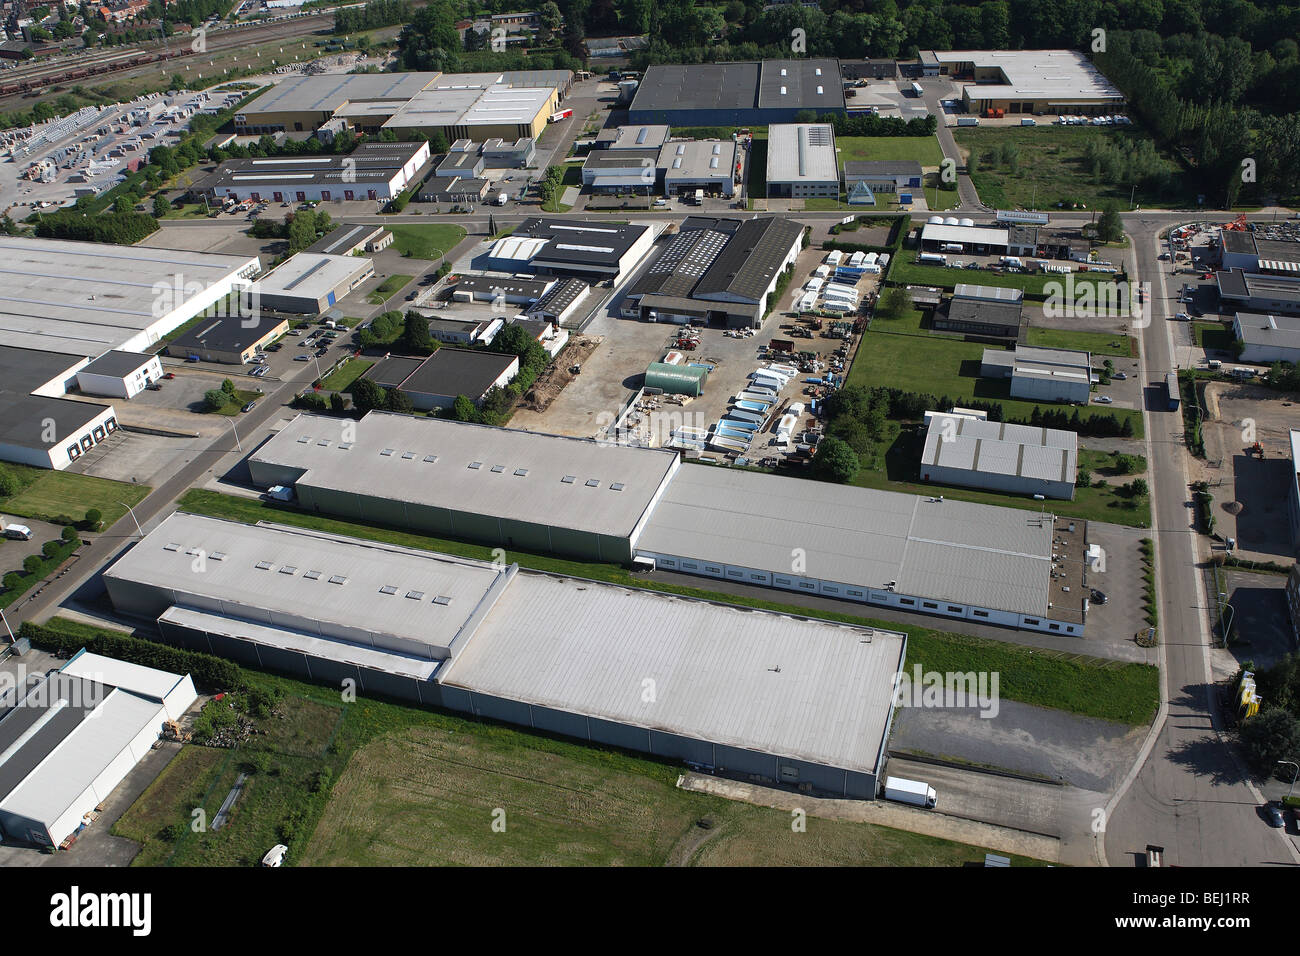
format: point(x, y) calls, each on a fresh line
point(93, 519)
point(366, 395)
point(398, 401)
point(1270, 736)
point(32, 564)
point(415, 335)
point(894, 303)
point(338, 404)
point(1110, 228)
point(160, 206)
point(835, 461)
point(463, 410)
point(228, 386)
point(215, 399)
point(9, 483)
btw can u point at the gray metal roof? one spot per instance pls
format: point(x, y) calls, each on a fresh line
point(327, 92)
point(955, 551)
point(801, 152)
point(745, 678)
point(708, 86)
point(314, 444)
point(698, 160)
point(344, 238)
point(1276, 331)
point(961, 442)
point(686, 257)
point(311, 274)
point(801, 85)
point(750, 259)
point(117, 363)
point(991, 293)
point(343, 590)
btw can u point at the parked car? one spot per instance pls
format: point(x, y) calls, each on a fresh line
point(1098, 597)
point(1273, 813)
point(154, 386)
point(1182, 317)
point(302, 358)
point(250, 406)
point(275, 855)
point(274, 347)
point(1103, 399)
point(169, 375)
point(1120, 375)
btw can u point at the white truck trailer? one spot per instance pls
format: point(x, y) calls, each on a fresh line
point(914, 792)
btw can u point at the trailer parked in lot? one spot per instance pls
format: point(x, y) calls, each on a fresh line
point(914, 792)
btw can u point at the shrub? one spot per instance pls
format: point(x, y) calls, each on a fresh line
point(93, 519)
point(32, 564)
point(70, 535)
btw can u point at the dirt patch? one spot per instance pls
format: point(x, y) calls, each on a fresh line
point(557, 375)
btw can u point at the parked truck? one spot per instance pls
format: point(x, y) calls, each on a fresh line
point(280, 493)
point(914, 792)
point(968, 121)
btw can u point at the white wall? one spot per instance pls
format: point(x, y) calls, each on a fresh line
point(127, 386)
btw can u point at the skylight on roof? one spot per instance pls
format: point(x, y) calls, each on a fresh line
point(593, 482)
point(311, 575)
point(264, 565)
point(288, 569)
point(568, 479)
point(339, 579)
point(387, 452)
point(497, 469)
point(476, 465)
point(388, 589)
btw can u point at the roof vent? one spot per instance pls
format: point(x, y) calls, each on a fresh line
point(339, 579)
point(218, 556)
point(172, 546)
point(344, 445)
point(475, 465)
point(288, 569)
point(415, 595)
point(568, 480)
point(311, 575)
point(387, 452)
point(304, 439)
point(593, 482)
point(616, 486)
point(497, 469)
point(264, 565)
point(783, 74)
point(324, 443)
point(430, 459)
point(442, 599)
point(521, 472)
point(407, 455)
point(388, 589)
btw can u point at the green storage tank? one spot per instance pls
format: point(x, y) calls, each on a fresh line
point(676, 379)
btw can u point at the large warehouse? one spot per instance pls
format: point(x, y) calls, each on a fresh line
point(1267, 338)
point(584, 249)
point(802, 162)
point(613, 503)
point(966, 450)
point(84, 298)
point(1041, 374)
point(943, 557)
point(1027, 81)
point(73, 737)
point(38, 426)
point(737, 94)
point(503, 487)
point(371, 171)
point(478, 106)
point(736, 691)
point(716, 272)
point(309, 282)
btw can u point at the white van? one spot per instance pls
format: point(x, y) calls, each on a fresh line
point(18, 532)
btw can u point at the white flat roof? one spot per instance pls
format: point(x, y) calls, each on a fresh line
point(970, 444)
point(1064, 75)
point(312, 274)
point(802, 152)
point(752, 679)
point(88, 297)
point(932, 231)
point(135, 678)
point(540, 495)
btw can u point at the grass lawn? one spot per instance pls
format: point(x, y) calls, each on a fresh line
point(388, 288)
point(1088, 686)
point(341, 379)
point(1214, 335)
point(47, 494)
point(377, 783)
point(900, 471)
point(757, 168)
point(943, 366)
point(1052, 168)
point(905, 270)
point(1098, 343)
point(236, 404)
point(924, 149)
point(572, 177)
point(189, 210)
point(426, 241)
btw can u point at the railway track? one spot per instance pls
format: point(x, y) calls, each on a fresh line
point(22, 83)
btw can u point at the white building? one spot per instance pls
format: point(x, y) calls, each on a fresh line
point(1021, 459)
point(1038, 374)
point(66, 743)
point(1267, 338)
point(802, 161)
point(120, 374)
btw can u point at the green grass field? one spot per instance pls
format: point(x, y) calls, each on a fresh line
point(905, 270)
point(387, 289)
point(1052, 168)
point(899, 469)
point(924, 149)
point(1214, 335)
point(1082, 685)
point(47, 494)
point(341, 379)
point(940, 365)
point(1098, 343)
point(426, 241)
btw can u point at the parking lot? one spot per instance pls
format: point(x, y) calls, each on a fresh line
point(1259, 616)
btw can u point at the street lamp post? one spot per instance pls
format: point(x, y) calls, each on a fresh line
point(1231, 617)
point(133, 517)
point(12, 639)
point(238, 446)
point(1288, 762)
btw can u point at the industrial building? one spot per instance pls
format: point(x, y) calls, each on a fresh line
point(85, 298)
point(463, 331)
point(621, 170)
point(374, 171)
point(972, 452)
point(934, 556)
point(350, 239)
point(689, 165)
point(716, 272)
point(119, 374)
point(633, 136)
point(768, 696)
point(561, 302)
point(614, 503)
point(591, 250)
point(309, 283)
point(545, 332)
point(1254, 253)
point(229, 339)
point(454, 189)
point(1039, 374)
point(437, 381)
point(477, 106)
point(67, 741)
point(38, 426)
point(503, 290)
point(1267, 338)
point(1026, 81)
point(503, 487)
point(883, 176)
point(802, 162)
point(984, 311)
point(963, 235)
point(737, 94)
point(1257, 292)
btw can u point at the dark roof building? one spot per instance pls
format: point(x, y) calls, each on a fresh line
point(572, 247)
point(39, 428)
point(436, 382)
point(231, 339)
point(983, 311)
point(731, 94)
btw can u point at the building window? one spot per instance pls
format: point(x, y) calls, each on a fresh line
point(954, 609)
point(908, 601)
point(1032, 621)
point(933, 607)
point(981, 613)
point(1054, 627)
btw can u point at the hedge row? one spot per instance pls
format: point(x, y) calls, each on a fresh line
point(208, 671)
